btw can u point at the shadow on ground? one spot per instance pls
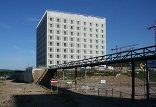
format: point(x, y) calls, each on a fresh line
point(67, 98)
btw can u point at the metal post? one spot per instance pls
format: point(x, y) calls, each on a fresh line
point(63, 79)
point(75, 77)
point(147, 83)
point(133, 80)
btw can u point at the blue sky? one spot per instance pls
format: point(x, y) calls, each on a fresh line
point(127, 22)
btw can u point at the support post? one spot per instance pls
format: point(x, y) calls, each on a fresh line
point(63, 78)
point(147, 83)
point(75, 77)
point(133, 80)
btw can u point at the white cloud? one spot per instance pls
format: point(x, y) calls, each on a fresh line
point(16, 47)
point(5, 26)
point(32, 19)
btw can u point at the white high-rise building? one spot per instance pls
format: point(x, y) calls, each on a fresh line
point(64, 37)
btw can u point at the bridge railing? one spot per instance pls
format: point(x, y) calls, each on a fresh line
point(121, 56)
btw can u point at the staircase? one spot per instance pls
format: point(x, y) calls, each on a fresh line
point(43, 76)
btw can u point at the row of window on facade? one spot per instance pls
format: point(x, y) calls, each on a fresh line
point(75, 22)
point(71, 57)
point(77, 39)
point(77, 51)
point(79, 34)
point(77, 45)
point(78, 28)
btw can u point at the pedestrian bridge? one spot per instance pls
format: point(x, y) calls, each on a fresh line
point(145, 53)
point(140, 54)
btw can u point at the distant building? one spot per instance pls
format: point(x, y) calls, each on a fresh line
point(64, 37)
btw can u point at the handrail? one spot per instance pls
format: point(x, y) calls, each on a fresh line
point(121, 56)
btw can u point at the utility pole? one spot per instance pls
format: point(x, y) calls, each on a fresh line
point(153, 27)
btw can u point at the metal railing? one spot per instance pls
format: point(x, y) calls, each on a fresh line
point(125, 56)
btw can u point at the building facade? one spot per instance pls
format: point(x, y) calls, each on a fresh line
point(64, 37)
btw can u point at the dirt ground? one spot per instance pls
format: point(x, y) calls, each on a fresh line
point(14, 94)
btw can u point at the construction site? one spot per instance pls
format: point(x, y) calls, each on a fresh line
point(111, 86)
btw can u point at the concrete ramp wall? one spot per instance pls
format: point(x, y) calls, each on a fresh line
point(43, 76)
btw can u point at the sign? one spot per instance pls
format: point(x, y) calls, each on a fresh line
point(53, 82)
point(151, 63)
point(103, 81)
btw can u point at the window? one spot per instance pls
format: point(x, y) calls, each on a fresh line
point(51, 25)
point(85, 57)
point(51, 37)
point(78, 34)
point(65, 38)
point(57, 56)
point(51, 31)
point(65, 56)
point(91, 46)
point(84, 40)
point(50, 49)
point(50, 56)
point(96, 52)
point(71, 27)
point(58, 38)
point(50, 62)
point(102, 31)
point(65, 32)
point(78, 40)
point(65, 26)
point(90, 24)
point(65, 21)
point(96, 25)
point(65, 50)
point(71, 57)
point(58, 32)
point(84, 51)
point(58, 50)
point(71, 39)
point(90, 35)
point(96, 36)
point(84, 34)
point(71, 45)
point(102, 36)
point(84, 29)
point(58, 44)
point(71, 33)
point(96, 30)
point(71, 21)
point(58, 62)
point(90, 52)
point(72, 51)
point(50, 43)
point(90, 29)
point(58, 26)
point(78, 22)
point(78, 57)
point(51, 19)
point(78, 28)
point(102, 47)
point(78, 51)
point(101, 25)
point(102, 52)
point(65, 44)
point(102, 41)
point(58, 20)
point(90, 40)
point(78, 45)
point(96, 41)
point(84, 23)
point(85, 46)
point(96, 46)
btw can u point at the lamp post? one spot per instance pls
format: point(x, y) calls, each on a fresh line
point(153, 27)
